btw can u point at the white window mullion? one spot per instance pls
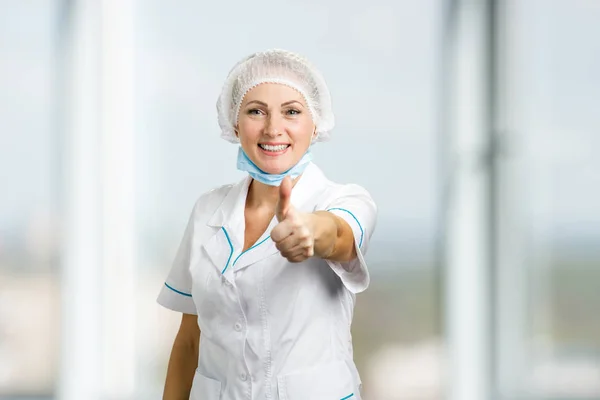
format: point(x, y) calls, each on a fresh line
point(98, 285)
point(118, 190)
point(81, 260)
point(468, 292)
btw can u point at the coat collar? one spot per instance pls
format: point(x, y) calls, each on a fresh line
point(225, 247)
point(230, 213)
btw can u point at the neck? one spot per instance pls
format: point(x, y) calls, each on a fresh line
point(262, 195)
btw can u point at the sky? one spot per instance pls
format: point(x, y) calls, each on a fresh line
point(382, 62)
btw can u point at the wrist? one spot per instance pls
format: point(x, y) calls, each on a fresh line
point(324, 230)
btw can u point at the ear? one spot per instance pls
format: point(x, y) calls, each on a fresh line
point(237, 134)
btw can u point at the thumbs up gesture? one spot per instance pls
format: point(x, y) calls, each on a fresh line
point(294, 235)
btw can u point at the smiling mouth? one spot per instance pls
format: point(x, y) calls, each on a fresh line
point(274, 148)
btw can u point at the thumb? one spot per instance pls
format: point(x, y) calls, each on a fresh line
point(285, 194)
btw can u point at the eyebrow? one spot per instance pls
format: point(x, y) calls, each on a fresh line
point(291, 102)
point(266, 105)
point(258, 102)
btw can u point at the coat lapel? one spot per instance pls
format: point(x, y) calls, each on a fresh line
point(226, 240)
point(263, 248)
point(220, 250)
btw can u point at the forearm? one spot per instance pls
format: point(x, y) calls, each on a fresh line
point(180, 373)
point(333, 237)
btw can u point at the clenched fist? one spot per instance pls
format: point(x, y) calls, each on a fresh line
point(294, 235)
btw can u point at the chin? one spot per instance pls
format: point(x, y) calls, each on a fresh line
point(275, 168)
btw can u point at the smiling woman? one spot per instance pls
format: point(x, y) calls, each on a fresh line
point(276, 135)
point(268, 268)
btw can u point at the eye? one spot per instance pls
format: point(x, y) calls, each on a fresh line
point(293, 111)
point(254, 111)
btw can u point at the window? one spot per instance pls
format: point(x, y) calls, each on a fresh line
point(551, 102)
point(30, 223)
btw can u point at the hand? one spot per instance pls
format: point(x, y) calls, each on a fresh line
point(294, 235)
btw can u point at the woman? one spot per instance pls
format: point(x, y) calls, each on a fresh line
point(268, 268)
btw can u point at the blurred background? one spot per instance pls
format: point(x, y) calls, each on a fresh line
point(472, 123)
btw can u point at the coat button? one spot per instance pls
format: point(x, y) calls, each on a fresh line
point(243, 376)
point(237, 326)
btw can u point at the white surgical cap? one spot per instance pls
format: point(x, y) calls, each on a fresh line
point(275, 66)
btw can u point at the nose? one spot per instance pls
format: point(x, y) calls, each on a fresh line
point(273, 126)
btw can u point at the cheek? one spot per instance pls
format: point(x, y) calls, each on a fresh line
point(303, 137)
point(302, 130)
point(249, 129)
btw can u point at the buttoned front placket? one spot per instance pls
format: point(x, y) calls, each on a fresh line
point(241, 327)
point(240, 378)
point(246, 324)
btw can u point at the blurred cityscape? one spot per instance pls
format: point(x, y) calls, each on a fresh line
point(397, 330)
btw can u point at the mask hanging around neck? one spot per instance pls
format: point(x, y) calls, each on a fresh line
point(245, 164)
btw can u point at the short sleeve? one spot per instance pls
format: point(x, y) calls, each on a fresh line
point(176, 292)
point(354, 205)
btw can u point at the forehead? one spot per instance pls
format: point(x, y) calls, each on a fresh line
point(273, 93)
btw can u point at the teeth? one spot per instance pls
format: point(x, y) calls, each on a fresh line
point(279, 147)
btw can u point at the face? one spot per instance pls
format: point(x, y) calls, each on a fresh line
point(275, 127)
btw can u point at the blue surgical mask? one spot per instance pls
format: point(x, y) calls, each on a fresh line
point(245, 164)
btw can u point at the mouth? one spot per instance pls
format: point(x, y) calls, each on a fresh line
point(273, 149)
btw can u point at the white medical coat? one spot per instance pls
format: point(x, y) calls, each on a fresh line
point(270, 329)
